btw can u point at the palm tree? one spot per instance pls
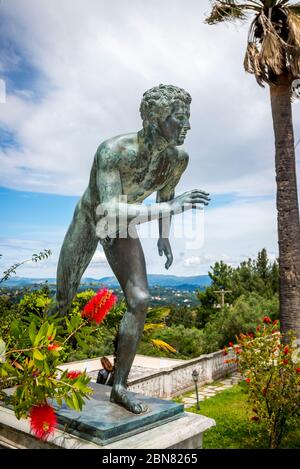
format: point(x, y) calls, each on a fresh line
point(273, 56)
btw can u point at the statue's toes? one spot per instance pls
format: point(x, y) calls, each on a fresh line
point(139, 408)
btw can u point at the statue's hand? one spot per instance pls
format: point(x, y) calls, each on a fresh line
point(164, 247)
point(188, 200)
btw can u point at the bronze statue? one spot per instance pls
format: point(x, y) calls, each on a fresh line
point(126, 170)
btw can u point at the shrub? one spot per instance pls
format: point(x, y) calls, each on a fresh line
point(187, 342)
point(272, 373)
point(242, 317)
point(32, 364)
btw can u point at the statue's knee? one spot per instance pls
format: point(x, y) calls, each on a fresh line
point(140, 300)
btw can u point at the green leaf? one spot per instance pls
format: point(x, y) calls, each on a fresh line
point(69, 402)
point(2, 348)
point(50, 332)
point(81, 387)
point(69, 326)
point(15, 329)
point(75, 402)
point(59, 401)
point(37, 355)
point(41, 333)
point(32, 332)
point(3, 372)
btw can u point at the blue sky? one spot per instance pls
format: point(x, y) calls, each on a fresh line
point(75, 76)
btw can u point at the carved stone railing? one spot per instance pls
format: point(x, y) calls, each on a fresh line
point(173, 381)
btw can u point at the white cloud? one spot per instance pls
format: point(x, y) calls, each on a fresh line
point(232, 233)
point(95, 62)
point(192, 261)
point(98, 258)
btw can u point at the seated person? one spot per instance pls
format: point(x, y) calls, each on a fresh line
point(106, 374)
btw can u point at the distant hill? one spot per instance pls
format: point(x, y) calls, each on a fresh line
point(167, 281)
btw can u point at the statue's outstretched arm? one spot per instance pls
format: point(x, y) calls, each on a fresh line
point(115, 214)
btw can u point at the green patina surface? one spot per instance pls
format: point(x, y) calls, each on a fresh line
point(103, 422)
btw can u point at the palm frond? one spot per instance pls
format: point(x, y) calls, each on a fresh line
point(294, 8)
point(265, 54)
point(271, 53)
point(274, 35)
point(225, 11)
point(161, 344)
point(293, 50)
point(252, 63)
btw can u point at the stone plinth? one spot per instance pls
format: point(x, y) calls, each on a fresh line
point(104, 422)
point(105, 425)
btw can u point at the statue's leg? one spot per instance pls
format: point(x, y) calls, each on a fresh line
point(76, 253)
point(127, 261)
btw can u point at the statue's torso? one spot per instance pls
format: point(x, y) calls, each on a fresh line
point(141, 174)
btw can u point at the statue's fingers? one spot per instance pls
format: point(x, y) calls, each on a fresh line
point(169, 256)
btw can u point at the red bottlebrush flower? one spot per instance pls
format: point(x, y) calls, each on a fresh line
point(42, 421)
point(248, 380)
point(230, 344)
point(275, 322)
point(286, 350)
point(267, 320)
point(225, 351)
point(255, 418)
point(297, 370)
point(258, 328)
point(54, 347)
point(97, 308)
point(73, 374)
point(238, 350)
point(285, 361)
point(250, 335)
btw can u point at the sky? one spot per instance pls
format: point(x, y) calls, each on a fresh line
point(74, 74)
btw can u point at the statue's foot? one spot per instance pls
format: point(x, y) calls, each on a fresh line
point(121, 396)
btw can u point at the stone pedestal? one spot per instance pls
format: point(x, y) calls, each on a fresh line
point(105, 425)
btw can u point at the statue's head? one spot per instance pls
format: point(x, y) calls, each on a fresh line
point(165, 109)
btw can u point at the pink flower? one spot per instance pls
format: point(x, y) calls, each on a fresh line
point(73, 374)
point(54, 347)
point(97, 308)
point(267, 320)
point(42, 420)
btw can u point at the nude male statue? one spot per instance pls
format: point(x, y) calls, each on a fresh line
point(133, 165)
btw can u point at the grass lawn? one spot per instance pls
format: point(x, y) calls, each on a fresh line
point(234, 429)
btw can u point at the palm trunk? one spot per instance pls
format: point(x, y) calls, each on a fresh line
point(287, 206)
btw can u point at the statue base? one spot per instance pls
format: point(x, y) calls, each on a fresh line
point(106, 425)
